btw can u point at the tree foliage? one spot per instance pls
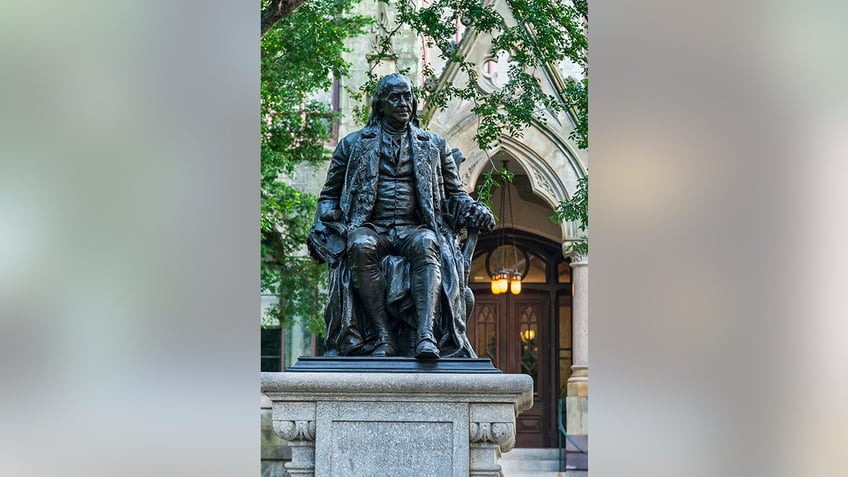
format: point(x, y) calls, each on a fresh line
point(576, 209)
point(300, 55)
point(544, 34)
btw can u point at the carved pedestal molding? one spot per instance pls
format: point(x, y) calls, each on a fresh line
point(492, 431)
point(500, 433)
point(488, 441)
point(297, 426)
point(399, 424)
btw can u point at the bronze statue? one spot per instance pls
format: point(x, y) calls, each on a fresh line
point(388, 224)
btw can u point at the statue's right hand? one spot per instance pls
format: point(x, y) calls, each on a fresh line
point(315, 237)
point(327, 241)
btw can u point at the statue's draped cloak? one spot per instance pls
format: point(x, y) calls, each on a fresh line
point(351, 187)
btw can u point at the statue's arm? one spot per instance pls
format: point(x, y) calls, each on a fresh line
point(327, 237)
point(328, 200)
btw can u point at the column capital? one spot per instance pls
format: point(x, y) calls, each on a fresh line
point(578, 257)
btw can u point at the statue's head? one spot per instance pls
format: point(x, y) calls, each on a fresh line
point(394, 102)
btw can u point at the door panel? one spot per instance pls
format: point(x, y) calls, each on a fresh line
point(526, 330)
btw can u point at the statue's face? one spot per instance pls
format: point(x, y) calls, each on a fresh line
point(396, 105)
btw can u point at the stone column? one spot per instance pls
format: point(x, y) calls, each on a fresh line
point(577, 388)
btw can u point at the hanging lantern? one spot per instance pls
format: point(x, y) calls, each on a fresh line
point(515, 284)
point(503, 283)
point(500, 283)
point(496, 284)
point(504, 280)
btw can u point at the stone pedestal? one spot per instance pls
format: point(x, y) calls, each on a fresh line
point(577, 401)
point(399, 424)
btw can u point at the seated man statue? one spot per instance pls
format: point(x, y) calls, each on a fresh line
point(387, 224)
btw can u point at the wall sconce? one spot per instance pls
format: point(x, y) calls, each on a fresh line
point(528, 335)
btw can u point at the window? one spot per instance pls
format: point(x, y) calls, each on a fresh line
point(271, 351)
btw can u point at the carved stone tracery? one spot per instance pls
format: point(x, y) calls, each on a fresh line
point(543, 182)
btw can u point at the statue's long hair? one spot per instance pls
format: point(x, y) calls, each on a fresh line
point(376, 117)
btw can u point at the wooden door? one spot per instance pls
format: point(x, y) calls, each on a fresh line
point(511, 330)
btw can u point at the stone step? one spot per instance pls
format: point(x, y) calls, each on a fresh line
point(536, 474)
point(569, 473)
point(530, 466)
point(525, 453)
point(525, 462)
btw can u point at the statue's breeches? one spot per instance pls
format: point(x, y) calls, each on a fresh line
point(418, 245)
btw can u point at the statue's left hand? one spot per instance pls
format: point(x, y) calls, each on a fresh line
point(480, 218)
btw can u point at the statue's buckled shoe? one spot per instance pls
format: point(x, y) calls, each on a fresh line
point(427, 349)
point(385, 348)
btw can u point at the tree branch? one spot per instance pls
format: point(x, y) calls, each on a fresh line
point(276, 11)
